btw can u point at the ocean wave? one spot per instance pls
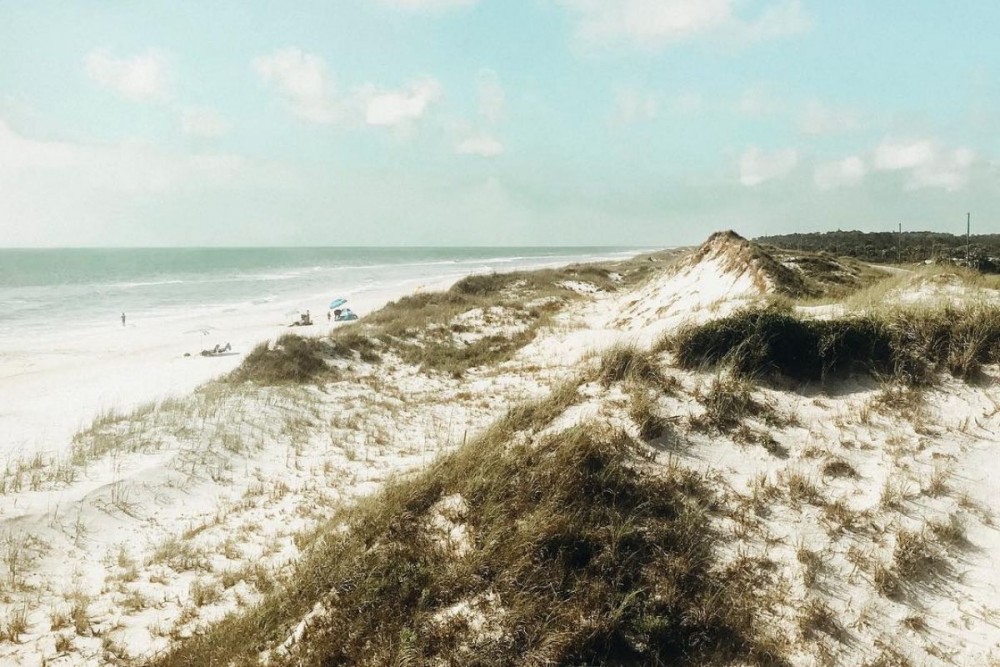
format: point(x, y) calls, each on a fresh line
point(150, 283)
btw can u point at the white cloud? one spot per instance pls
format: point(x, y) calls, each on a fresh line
point(203, 123)
point(129, 167)
point(927, 163)
point(145, 77)
point(894, 155)
point(492, 99)
point(652, 23)
point(492, 108)
point(417, 5)
point(847, 172)
point(758, 167)
point(303, 81)
point(948, 171)
point(389, 108)
point(817, 119)
point(129, 192)
point(632, 105)
point(482, 145)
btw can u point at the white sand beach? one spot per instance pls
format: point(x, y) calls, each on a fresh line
point(154, 524)
point(54, 382)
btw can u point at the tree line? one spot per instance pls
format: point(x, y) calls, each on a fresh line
point(983, 249)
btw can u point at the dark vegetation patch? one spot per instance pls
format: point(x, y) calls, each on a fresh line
point(592, 557)
point(827, 275)
point(839, 468)
point(644, 411)
point(751, 436)
point(627, 363)
point(347, 341)
point(907, 346)
point(983, 251)
point(300, 359)
point(915, 560)
point(290, 359)
point(728, 402)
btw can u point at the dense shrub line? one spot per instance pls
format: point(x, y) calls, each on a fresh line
point(910, 346)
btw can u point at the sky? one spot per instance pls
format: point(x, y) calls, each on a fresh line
point(492, 122)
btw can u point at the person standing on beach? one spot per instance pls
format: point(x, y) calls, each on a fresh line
point(123, 319)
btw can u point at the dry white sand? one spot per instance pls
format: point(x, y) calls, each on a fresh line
point(198, 503)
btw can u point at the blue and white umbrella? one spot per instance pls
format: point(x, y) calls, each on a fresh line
point(337, 303)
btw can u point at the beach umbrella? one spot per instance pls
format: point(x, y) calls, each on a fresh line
point(337, 303)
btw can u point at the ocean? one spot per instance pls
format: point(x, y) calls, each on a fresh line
point(90, 287)
point(65, 356)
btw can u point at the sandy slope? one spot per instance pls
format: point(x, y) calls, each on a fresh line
point(173, 516)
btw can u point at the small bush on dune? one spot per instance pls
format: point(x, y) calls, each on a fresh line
point(627, 363)
point(644, 412)
point(483, 284)
point(345, 341)
point(290, 359)
point(728, 403)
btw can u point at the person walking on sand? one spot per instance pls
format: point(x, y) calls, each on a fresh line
point(328, 317)
point(123, 319)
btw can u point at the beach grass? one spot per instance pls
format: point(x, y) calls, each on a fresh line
point(907, 344)
point(570, 550)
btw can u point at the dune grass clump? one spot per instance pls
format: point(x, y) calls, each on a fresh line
point(484, 284)
point(627, 363)
point(290, 359)
point(728, 402)
point(953, 338)
point(771, 340)
point(643, 410)
point(909, 346)
point(347, 341)
point(577, 552)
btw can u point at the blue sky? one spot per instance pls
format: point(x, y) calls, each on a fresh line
point(488, 122)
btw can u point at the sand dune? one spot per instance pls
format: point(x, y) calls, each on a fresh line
point(873, 507)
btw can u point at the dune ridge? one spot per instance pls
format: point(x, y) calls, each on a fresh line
point(405, 495)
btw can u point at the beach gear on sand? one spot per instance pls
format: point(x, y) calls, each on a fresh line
point(341, 314)
point(217, 350)
point(305, 320)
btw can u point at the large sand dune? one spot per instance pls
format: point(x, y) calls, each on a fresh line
point(160, 521)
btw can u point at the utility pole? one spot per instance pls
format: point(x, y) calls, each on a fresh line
point(899, 245)
point(968, 237)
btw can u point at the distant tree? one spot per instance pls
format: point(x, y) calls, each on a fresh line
point(882, 246)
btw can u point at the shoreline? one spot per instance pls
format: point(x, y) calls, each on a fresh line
point(53, 386)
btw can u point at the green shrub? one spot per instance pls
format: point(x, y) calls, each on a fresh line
point(291, 358)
